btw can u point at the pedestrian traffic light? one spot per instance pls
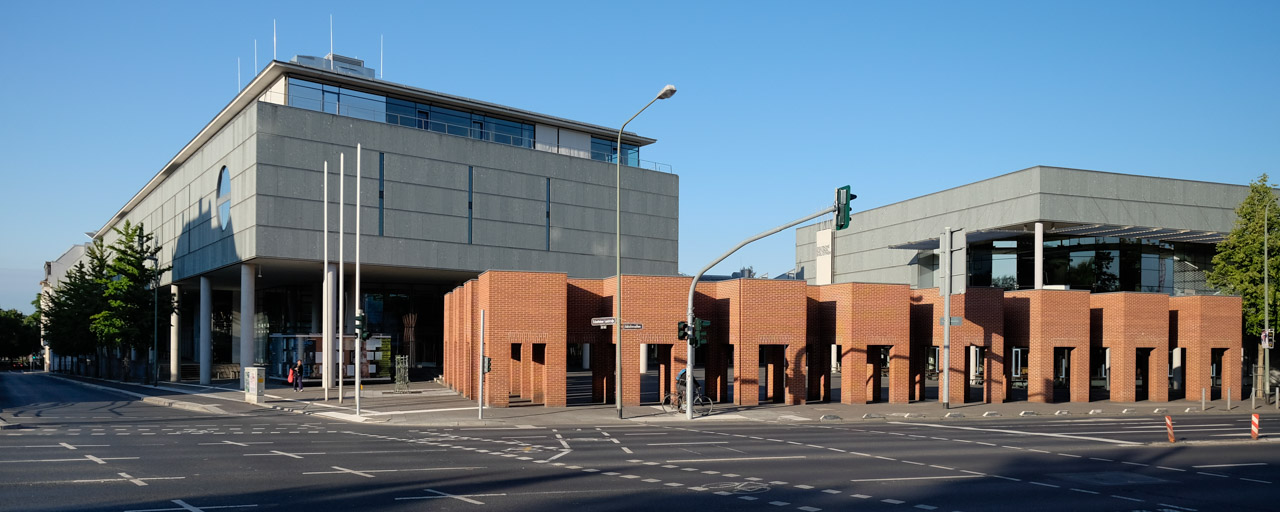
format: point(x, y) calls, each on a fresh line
point(683, 330)
point(843, 197)
point(488, 363)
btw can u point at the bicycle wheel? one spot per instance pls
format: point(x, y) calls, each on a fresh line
point(701, 405)
point(669, 403)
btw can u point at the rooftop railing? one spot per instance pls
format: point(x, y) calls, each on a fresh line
point(364, 108)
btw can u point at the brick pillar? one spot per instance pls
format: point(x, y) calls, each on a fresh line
point(666, 379)
point(1124, 385)
point(746, 374)
point(819, 368)
point(995, 385)
point(497, 383)
point(1040, 373)
point(1158, 375)
point(518, 358)
point(1080, 374)
point(630, 372)
point(959, 373)
point(716, 371)
point(795, 369)
point(1231, 374)
point(554, 378)
point(853, 375)
point(1196, 370)
point(537, 372)
point(899, 374)
point(601, 372)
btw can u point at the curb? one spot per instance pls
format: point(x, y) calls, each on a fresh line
point(153, 400)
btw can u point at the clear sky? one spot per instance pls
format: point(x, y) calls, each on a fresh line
point(779, 103)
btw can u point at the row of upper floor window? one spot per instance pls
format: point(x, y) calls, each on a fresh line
point(343, 101)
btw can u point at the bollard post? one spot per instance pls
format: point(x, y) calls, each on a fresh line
point(1228, 399)
point(1277, 398)
point(1202, 399)
point(1253, 429)
point(1168, 424)
point(1253, 399)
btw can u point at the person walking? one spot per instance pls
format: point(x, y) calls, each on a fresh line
point(297, 376)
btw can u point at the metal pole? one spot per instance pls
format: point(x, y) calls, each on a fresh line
point(359, 300)
point(155, 324)
point(480, 393)
point(688, 389)
point(1264, 356)
point(617, 252)
point(326, 302)
point(342, 274)
point(945, 290)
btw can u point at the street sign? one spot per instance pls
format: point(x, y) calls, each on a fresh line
point(604, 320)
point(955, 320)
point(633, 326)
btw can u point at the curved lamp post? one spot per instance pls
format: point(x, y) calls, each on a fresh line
point(667, 92)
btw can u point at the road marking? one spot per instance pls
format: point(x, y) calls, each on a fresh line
point(1020, 432)
point(859, 496)
point(1170, 469)
point(779, 503)
point(893, 502)
point(628, 450)
point(1084, 491)
point(926, 507)
point(694, 442)
point(459, 497)
point(808, 509)
point(1212, 474)
point(1125, 498)
point(1256, 481)
point(737, 459)
point(1231, 465)
point(1043, 484)
point(278, 452)
point(916, 478)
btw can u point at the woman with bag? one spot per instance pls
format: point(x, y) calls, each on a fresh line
point(295, 376)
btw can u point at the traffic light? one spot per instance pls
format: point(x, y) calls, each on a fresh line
point(683, 330)
point(843, 197)
point(488, 363)
point(360, 324)
point(700, 334)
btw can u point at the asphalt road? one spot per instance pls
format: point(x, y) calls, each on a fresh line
point(87, 449)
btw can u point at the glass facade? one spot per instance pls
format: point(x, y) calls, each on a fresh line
point(606, 150)
point(423, 116)
point(1098, 264)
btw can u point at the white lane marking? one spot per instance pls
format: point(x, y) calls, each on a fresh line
point(278, 452)
point(1084, 491)
point(779, 503)
point(135, 481)
point(1255, 481)
point(808, 509)
point(1125, 498)
point(735, 459)
point(561, 454)
point(459, 497)
point(385, 413)
point(1171, 469)
point(1020, 432)
point(915, 478)
point(647, 434)
point(893, 502)
point(69, 447)
point(926, 507)
point(1212, 474)
point(627, 450)
point(1043, 484)
point(693, 442)
point(1230, 465)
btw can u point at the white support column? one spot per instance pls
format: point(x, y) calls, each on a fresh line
point(206, 318)
point(175, 329)
point(1039, 255)
point(330, 274)
point(248, 286)
point(586, 356)
point(644, 358)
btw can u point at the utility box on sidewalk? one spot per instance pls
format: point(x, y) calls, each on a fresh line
point(254, 381)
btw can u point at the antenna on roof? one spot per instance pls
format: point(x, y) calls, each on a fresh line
point(273, 39)
point(382, 69)
point(238, 75)
point(330, 42)
point(255, 57)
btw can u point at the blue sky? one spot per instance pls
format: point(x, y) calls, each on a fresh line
point(778, 104)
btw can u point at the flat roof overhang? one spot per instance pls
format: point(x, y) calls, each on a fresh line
point(1081, 230)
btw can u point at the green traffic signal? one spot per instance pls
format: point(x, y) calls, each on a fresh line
point(843, 197)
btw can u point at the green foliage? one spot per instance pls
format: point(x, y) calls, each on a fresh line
point(1238, 265)
point(68, 309)
point(19, 337)
point(126, 321)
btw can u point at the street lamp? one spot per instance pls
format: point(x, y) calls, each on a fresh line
point(155, 320)
point(667, 92)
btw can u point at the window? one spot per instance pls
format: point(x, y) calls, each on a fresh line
point(607, 150)
point(223, 200)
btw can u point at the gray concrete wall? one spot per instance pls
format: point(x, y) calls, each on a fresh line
point(425, 200)
point(1046, 194)
point(182, 211)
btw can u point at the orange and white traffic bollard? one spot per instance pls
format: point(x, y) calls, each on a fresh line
point(1253, 430)
point(1168, 424)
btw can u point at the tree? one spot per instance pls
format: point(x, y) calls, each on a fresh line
point(1238, 265)
point(127, 321)
point(68, 308)
point(18, 337)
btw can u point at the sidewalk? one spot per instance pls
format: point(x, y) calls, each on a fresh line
point(429, 404)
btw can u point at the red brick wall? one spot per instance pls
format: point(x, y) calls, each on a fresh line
point(1125, 322)
point(982, 314)
point(1205, 323)
point(1043, 320)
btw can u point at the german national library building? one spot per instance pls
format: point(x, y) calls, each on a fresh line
point(1081, 285)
